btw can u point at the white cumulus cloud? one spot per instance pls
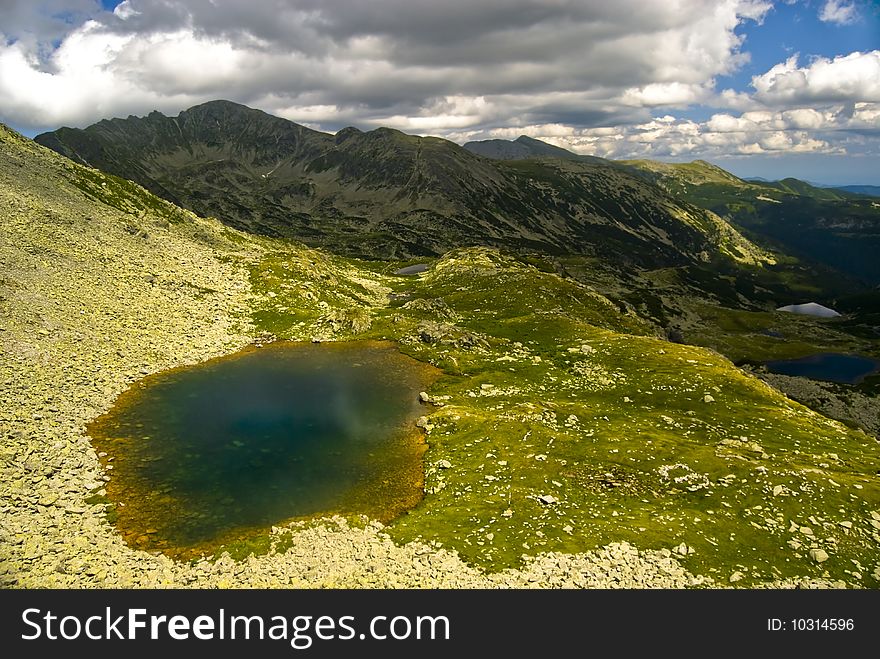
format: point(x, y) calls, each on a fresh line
point(853, 77)
point(841, 12)
point(392, 62)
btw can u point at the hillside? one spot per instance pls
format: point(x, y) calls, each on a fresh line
point(869, 190)
point(568, 445)
point(387, 194)
point(828, 226)
point(835, 227)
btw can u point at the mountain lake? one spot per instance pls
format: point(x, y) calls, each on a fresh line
point(204, 455)
point(412, 269)
point(829, 366)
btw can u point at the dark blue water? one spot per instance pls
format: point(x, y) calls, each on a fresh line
point(288, 430)
point(830, 366)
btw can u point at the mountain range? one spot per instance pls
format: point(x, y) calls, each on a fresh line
point(682, 245)
point(869, 190)
point(525, 147)
point(837, 227)
point(387, 194)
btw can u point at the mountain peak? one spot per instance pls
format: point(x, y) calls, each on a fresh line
point(347, 133)
point(222, 104)
point(525, 147)
point(525, 139)
point(384, 192)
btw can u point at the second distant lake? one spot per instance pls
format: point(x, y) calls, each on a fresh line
point(829, 366)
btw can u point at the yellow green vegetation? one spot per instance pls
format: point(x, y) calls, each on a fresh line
point(563, 424)
point(698, 172)
point(761, 336)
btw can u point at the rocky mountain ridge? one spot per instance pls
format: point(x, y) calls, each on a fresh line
point(384, 193)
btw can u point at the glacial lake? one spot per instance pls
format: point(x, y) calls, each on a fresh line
point(413, 269)
point(206, 455)
point(829, 366)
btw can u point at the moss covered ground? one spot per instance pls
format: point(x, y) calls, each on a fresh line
point(563, 423)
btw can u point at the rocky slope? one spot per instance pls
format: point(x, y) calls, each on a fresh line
point(384, 193)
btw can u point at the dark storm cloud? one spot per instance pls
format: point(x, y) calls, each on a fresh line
point(44, 21)
point(407, 56)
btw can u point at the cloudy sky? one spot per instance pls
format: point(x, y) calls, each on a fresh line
point(773, 89)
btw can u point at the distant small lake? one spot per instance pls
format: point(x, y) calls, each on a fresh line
point(206, 454)
point(412, 269)
point(830, 366)
point(810, 309)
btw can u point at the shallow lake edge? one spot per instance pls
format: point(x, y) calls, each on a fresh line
point(140, 535)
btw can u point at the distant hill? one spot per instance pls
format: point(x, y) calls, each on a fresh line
point(384, 193)
point(870, 190)
point(830, 226)
point(523, 148)
point(675, 175)
point(803, 188)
